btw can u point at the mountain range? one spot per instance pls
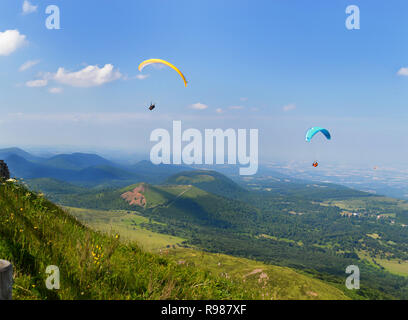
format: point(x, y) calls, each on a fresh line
point(84, 169)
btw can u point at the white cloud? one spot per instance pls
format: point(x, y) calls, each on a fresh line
point(90, 76)
point(37, 83)
point(27, 65)
point(289, 107)
point(142, 76)
point(28, 7)
point(10, 41)
point(55, 90)
point(243, 99)
point(403, 72)
point(198, 106)
point(236, 107)
point(219, 110)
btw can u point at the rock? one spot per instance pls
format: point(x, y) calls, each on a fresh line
point(4, 171)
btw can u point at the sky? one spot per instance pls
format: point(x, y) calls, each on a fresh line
point(277, 66)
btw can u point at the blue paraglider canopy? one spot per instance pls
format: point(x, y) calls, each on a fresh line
point(313, 131)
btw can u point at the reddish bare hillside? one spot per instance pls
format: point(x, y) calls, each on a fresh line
point(135, 197)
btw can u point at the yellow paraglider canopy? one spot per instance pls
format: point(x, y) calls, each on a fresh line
point(151, 61)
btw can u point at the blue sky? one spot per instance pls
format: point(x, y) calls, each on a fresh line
point(279, 66)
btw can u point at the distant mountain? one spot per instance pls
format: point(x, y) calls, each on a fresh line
point(5, 153)
point(105, 173)
point(77, 161)
point(93, 175)
point(85, 169)
point(210, 181)
point(152, 173)
point(23, 168)
point(53, 186)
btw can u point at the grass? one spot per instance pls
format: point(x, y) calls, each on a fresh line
point(35, 233)
point(194, 179)
point(395, 266)
point(270, 282)
point(128, 225)
point(363, 203)
point(279, 283)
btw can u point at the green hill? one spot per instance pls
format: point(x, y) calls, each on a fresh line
point(189, 203)
point(53, 186)
point(210, 181)
point(5, 153)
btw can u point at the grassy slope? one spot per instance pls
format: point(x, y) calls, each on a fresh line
point(35, 233)
point(210, 181)
point(128, 225)
point(279, 283)
point(196, 205)
point(270, 282)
